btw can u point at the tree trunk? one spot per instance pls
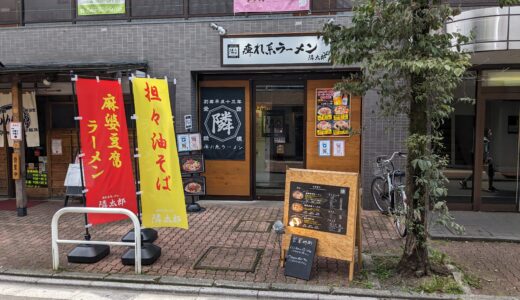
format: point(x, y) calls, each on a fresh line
point(415, 256)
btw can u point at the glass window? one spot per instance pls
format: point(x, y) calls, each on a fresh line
point(331, 5)
point(62, 115)
point(500, 78)
point(473, 2)
point(501, 152)
point(458, 133)
point(344, 4)
point(280, 132)
point(9, 12)
point(37, 11)
point(204, 7)
point(153, 8)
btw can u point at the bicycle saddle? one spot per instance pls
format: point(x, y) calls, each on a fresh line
point(399, 173)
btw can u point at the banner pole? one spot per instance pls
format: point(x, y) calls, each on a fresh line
point(83, 253)
point(148, 235)
point(76, 111)
point(136, 152)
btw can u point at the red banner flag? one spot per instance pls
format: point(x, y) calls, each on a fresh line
point(104, 143)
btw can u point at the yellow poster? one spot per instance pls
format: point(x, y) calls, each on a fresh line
point(162, 194)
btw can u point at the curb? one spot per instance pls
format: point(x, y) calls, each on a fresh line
point(471, 238)
point(201, 287)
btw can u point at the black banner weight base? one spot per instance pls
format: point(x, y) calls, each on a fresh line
point(21, 212)
point(148, 235)
point(194, 206)
point(149, 254)
point(88, 254)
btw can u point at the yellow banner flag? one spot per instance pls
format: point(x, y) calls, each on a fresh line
point(162, 194)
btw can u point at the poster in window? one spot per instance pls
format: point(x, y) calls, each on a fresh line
point(332, 113)
point(273, 123)
point(194, 186)
point(223, 123)
point(100, 7)
point(56, 147)
point(183, 142)
point(35, 178)
point(195, 142)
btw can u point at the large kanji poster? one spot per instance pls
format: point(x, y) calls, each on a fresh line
point(106, 152)
point(223, 117)
point(162, 198)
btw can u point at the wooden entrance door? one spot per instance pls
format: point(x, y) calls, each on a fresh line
point(230, 178)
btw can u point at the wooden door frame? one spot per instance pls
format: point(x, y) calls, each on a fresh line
point(485, 95)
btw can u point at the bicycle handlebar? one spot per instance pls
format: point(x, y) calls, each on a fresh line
point(384, 157)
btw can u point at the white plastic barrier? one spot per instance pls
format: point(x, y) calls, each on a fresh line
point(81, 210)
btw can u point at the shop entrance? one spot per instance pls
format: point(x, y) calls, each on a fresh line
point(498, 183)
point(279, 132)
point(483, 145)
point(273, 126)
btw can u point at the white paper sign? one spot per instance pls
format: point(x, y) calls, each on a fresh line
point(338, 148)
point(56, 147)
point(324, 148)
point(275, 50)
point(72, 178)
point(15, 131)
point(30, 117)
point(187, 122)
point(183, 143)
point(195, 142)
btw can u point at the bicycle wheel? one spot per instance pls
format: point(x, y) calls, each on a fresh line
point(399, 212)
point(380, 194)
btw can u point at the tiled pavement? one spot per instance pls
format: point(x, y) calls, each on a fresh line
point(235, 236)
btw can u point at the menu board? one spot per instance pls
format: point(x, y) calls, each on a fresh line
point(332, 113)
point(194, 186)
point(300, 256)
point(318, 207)
point(35, 179)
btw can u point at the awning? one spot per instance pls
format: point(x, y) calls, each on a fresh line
point(35, 72)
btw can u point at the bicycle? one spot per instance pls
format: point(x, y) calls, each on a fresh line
point(388, 190)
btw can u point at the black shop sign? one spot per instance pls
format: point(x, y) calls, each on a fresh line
point(223, 123)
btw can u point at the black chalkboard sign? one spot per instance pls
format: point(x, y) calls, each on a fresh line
point(318, 207)
point(299, 258)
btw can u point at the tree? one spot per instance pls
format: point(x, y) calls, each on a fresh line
point(415, 66)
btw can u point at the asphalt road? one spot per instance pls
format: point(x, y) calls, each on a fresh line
point(19, 291)
point(31, 291)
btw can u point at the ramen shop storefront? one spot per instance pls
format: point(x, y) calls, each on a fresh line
point(50, 129)
point(256, 124)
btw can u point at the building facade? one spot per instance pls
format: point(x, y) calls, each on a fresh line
point(46, 40)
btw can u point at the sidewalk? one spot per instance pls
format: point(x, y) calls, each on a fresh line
point(232, 241)
point(481, 226)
